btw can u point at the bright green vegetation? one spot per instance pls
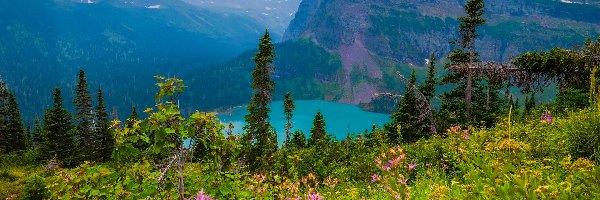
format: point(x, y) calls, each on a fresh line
point(477, 145)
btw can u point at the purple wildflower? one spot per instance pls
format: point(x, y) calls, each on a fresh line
point(412, 165)
point(315, 196)
point(386, 167)
point(466, 136)
point(375, 178)
point(202, 196)
point(547, 118)
point(432, 130)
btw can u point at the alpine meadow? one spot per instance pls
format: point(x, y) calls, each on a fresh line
point(299, 99)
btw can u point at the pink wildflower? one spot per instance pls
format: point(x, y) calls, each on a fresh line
point(375, 178)
point(412, 165)
point(202, 196)
point(315, 196)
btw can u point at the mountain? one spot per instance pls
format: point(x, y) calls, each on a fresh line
point(121, 44)
point(372, 35)
point(361, 44)
point(273, 14)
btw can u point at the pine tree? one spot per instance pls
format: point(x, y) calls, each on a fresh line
point(84, 119)
point(260, 135)
point(12, 134)
point(428, 88)
point(318, 135)
point(103, 134)
point(58, 133)
point(288, 108)
point(407, 124)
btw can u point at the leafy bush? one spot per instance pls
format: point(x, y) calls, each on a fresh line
point(35, 188)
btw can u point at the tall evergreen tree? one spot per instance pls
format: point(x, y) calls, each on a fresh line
point(260, 135)
point(103, 134)
point(12, 134)
point(318, 135)
point(428, 88)
point(407, 123)
point(468, 33)
point(58, 133)
point(84, 119)
point(288, 108)
point(470, 92)
point(37, 134)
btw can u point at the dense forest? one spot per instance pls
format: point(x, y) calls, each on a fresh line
point(481, 142)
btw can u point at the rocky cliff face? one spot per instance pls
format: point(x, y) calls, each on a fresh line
point(370, 34)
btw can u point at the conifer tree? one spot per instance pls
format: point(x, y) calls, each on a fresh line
point(298, 140)
point(318, 135)
point(428, 88)
point(84, 119)
point(260, 135)
point(407, 124)
point(288, 108)
point(37, 134)
point(103, 134)
point(12, 134)
point(58, 133)
point(132, 118)
point(470, 93)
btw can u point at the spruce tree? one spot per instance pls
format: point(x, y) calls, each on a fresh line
point(470, 92)
point(428, 88)
point(318, 135)
point(12, 134)
point(103, 134)
point(298, 140)
point(288, 108)
point(407, 125)
point(58, 133)
point(37, 134)
point(84, 119)
point(260, 137)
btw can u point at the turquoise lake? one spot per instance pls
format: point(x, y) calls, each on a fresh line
point(340, 119)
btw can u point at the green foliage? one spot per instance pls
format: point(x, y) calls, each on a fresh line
point(35, 188)
point(408, 124)
point(583, 131)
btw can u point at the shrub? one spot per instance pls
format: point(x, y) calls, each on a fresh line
point(35, 188)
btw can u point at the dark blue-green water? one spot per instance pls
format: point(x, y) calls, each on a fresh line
point(340, 119)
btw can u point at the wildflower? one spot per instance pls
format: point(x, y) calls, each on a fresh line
point(547, 118)
point(202, 196)
point(315, 196)
point(466, 136)
point(375, 178)
point(386, 167)
point(402, 180)
point(432, 130)
point(412, 165)
point(378, 161)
